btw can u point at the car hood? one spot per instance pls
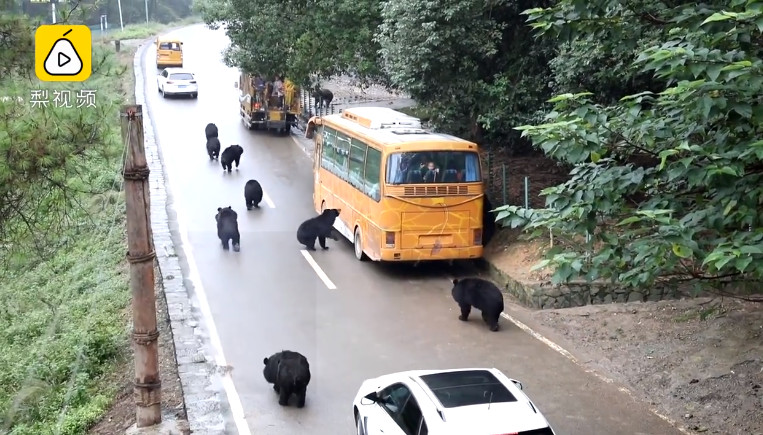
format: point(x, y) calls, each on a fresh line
point(501, 418)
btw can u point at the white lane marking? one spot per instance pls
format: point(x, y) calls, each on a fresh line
point(321, 274)
point(234, 399)
point(267, 199)
point(299, 145)
point(574, 360)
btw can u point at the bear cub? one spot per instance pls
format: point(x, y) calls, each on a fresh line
point(319, 227)
point(480, 294)
point(289, 372)
point(230, 155)
point(210, 131)
point(252, 194)
point(227, 227)
point(213, 148)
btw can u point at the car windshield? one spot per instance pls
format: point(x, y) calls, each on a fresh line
point(469, 387)
point(433, 167)
point(181, 76)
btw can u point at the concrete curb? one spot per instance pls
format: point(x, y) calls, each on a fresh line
point(203, 404)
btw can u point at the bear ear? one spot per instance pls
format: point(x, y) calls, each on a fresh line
point(219, 208)
point(265, 361)
point(455, 280)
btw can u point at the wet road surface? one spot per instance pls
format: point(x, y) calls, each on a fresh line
point(378, 319)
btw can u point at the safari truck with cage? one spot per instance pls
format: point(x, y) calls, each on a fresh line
point(261, 106)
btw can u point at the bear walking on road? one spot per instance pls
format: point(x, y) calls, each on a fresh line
point(227, 227)
point(230, 155)
point(480, 294)
point(319, 227)
point(252, 194)
point(213, 148)
point(210, 131)
point(289, 372)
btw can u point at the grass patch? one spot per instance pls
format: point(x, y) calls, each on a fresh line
point(147, 30)
point(64, 321)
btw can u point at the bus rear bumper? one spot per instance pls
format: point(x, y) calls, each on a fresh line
point(431, 254)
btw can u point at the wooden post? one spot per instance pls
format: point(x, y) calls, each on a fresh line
point(141, 255)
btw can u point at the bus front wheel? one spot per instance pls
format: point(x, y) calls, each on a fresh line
point(358, 244)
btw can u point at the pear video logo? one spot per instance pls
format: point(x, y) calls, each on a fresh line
point(63, 53)
point(63, 59)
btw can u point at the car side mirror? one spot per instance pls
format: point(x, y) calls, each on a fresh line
point(517, 383)
point(370, 398)
point(235, 85)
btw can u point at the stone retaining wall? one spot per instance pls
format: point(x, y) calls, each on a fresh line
point(545, 295)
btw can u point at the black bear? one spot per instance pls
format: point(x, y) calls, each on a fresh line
point(230, 155)
point(252, 194)
point(210, 131)
point(480, 294)
point(323, 97)
point(213, 148)
point(319, 227)
point(289, 372)
point(227, 227)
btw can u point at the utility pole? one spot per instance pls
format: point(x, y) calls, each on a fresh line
point(141, 254)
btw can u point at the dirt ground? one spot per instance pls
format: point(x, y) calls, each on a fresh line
point(121, 415)
point(697, 361)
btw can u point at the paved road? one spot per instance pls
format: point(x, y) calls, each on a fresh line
point(379, 319)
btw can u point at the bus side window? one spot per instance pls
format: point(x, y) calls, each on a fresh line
point(357, 164)
point(328, 155)
point(342, 155)
point(372, 174)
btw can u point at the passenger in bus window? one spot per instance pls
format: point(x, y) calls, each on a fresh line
point(374, 192)
point(431, 173)
point(278, 91)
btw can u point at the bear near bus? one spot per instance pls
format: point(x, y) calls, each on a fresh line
point(480, 294)
point(320, 227)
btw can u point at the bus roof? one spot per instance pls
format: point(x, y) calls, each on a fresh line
point(387, 127)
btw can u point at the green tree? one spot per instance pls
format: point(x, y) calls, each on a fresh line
point(667, 186)
point(44, 150)
point(474, 63)
point(298, 38)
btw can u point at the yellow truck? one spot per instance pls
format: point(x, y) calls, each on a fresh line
point(169, 53)
point(262, 107)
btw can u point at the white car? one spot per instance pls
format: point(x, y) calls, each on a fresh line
point(177, 81)
point(475, 401)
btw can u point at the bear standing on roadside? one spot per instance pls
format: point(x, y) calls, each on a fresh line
point(213, 148)
point(480, 294)
point(210, 131)
point(252, 194)
point(289, 372)
point(227, 227)
point(230, 155)
point(319, 227)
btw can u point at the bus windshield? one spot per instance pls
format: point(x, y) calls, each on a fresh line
point(433, 167)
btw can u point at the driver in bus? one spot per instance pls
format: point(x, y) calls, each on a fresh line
point(432, 171)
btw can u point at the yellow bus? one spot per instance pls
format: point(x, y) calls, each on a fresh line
point(405, 194)
point(169, 52)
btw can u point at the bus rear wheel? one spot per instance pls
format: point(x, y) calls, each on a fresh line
point(358, 245)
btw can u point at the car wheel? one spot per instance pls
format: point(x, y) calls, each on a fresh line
point(164, 94)
point(359, 425)
point(358, 245)
point(196, 95)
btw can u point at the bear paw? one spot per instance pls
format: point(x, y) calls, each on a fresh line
point(463, 318)
point(494, 327)
point(324, 247)
point(236, 248)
